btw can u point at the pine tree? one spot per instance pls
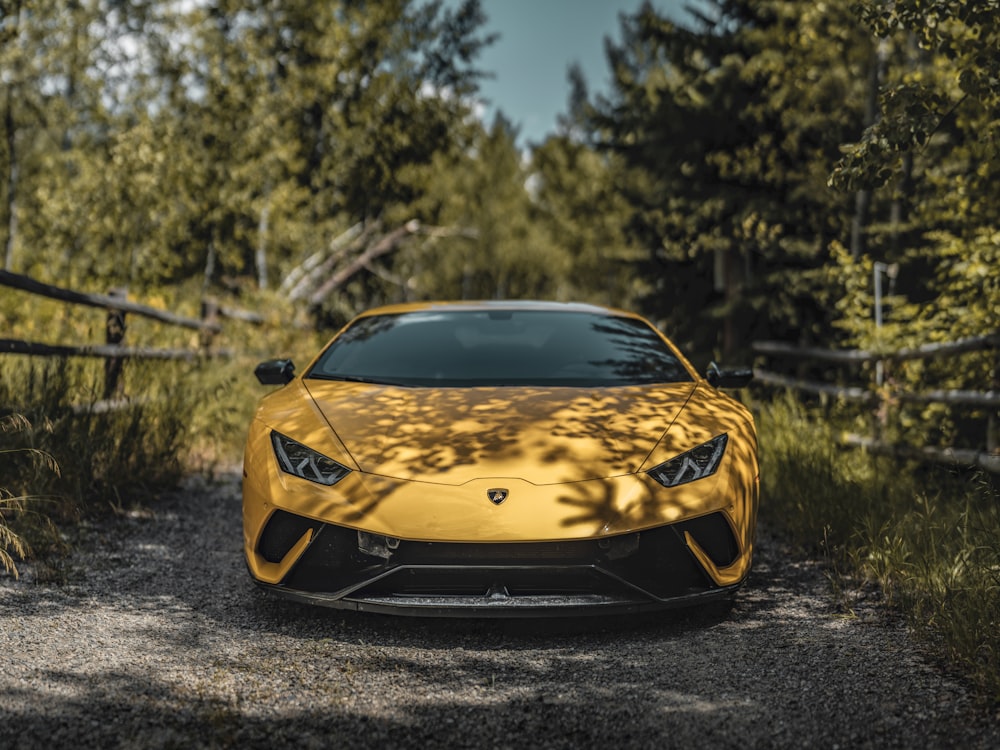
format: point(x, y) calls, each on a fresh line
point(729, 130)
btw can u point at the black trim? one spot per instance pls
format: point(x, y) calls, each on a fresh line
point(714, 535)
point(654, 568)
point(486, 608)
point(282, 531)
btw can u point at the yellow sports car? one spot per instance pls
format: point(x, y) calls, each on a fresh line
point(500, 459)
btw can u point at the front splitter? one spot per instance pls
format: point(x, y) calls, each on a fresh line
point(503, 606)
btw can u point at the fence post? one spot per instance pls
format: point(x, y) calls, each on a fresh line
point(992, 428)
point(114, 333)
point(209, 322)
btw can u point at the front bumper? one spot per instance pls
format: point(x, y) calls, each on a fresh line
point(660, 568)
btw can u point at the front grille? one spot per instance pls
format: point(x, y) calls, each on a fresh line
point(583, 552)
point(480, 582)
point(332, 562)
point(662, 565)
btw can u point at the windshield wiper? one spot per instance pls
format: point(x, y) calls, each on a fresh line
point(354, 379)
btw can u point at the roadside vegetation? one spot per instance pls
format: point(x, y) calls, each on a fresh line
point(65, 456)
point(749, 172)
point(927, 537)
point(12, 544)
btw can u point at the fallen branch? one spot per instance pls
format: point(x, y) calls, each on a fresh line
point(387, 244)
point(302, 273)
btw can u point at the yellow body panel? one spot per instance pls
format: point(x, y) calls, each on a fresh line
point(553, 494)
point(541, 435)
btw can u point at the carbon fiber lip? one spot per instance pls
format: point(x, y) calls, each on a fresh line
point(498, 606)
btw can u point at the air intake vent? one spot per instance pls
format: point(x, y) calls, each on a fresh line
point(714, 535)
point(283, 530)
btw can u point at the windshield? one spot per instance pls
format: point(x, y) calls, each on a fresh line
point(467, 348)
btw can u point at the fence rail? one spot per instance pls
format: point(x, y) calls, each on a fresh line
point(951, 456)
point(984, 399)
point(858, 356)
point(106, 351)
point(884, 395)
point(113, 351)
point(106, 301)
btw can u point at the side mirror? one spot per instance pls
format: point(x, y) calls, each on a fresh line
point(275, 371)
point(728, 377)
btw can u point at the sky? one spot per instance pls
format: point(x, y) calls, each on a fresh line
point(539, 40)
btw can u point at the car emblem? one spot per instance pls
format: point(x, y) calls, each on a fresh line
point(496, 496)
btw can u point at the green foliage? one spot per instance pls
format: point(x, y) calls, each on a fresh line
point(103, 454)
point(960, 299)
point(501, 252)
point(178, 418)
point(927, 537)
point(934, 143)
point(179, 415)
point(235, 139)
point(222, 144)
point(728, 133)
point(69, 459)
point(966, 283)
point(941, 561)
point(952, 92)
point(574, 201)
point(811, 488)
point(224, 392)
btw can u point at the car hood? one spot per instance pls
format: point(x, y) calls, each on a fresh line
point(540, 435)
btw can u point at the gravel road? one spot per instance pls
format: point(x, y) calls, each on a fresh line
point(159, 640)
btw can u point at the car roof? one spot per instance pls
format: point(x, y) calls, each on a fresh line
point(537, 305)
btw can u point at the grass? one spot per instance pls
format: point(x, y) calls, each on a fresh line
point(929, 537)
point(65, 460)
point(13, 545)
point(62, 459)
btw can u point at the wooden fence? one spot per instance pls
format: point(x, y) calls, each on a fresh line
point(113, 350)
point(879, 397)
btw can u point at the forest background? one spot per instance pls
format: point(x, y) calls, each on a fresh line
point(738, 180)
point(745, 175)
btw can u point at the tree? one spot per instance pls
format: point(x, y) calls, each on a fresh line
point(501, 252)
point(935, 148)
point(956, 87)
point(573, 199)
point(729, 130)
point(49, 99)
point(160, 142)
point(938, 131)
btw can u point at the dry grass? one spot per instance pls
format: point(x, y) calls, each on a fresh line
point(12, 546)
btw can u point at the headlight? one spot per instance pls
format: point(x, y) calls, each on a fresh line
point(294, 458)
point(697, 463)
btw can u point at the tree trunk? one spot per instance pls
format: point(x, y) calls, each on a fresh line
point(11, 133)
point(209, 265)
point(261, 255)
point(863, 199)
